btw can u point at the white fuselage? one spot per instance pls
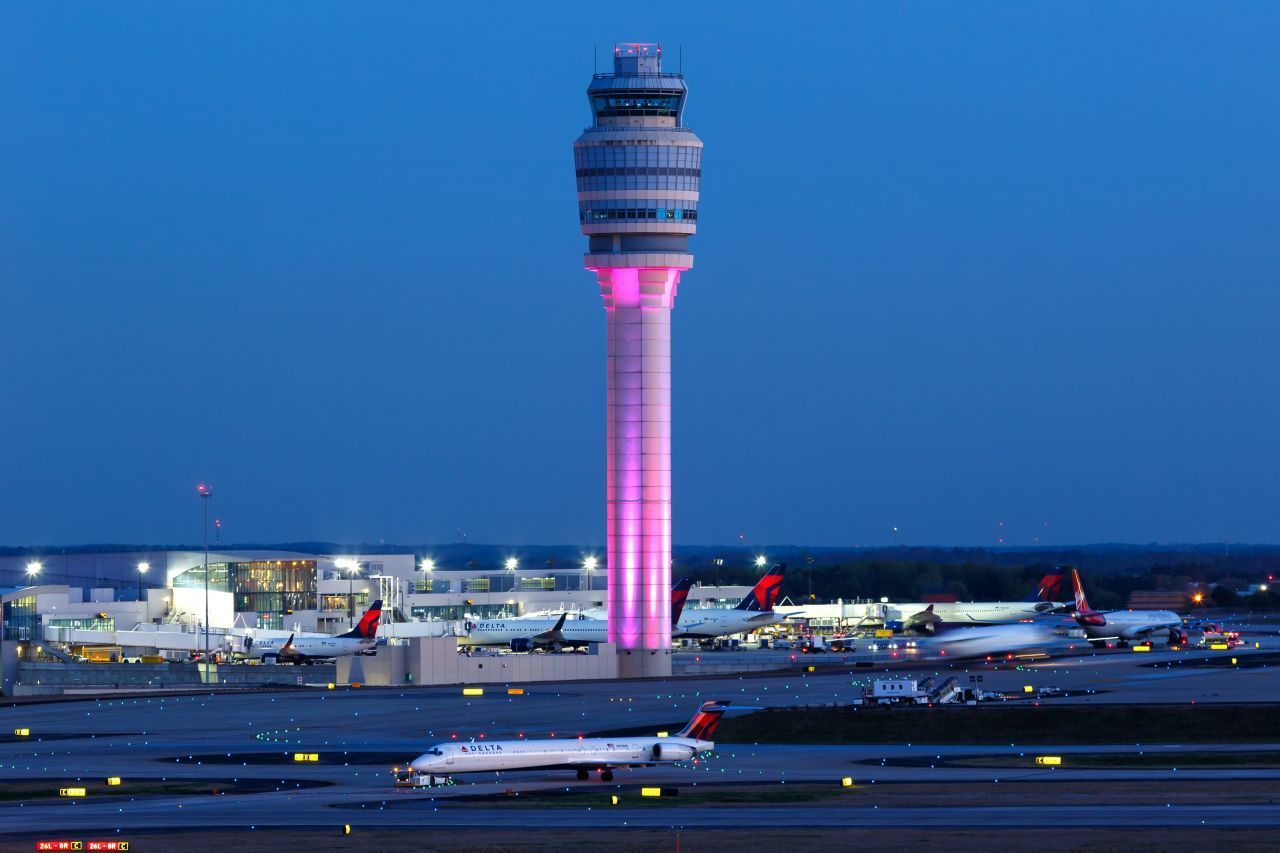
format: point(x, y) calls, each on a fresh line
point(994, 640)
point(975, 612)
point(582, 754)
point(312, 647)
point(501, 632)
point(1132, 624)
point(723, 622)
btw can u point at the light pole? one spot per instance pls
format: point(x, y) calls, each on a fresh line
point(590, 565)
point(206, 492)
point(760, 561)
point(33, 569)
point(719, 562)
point(350, 568)
point(511, 564)
point(142, 570)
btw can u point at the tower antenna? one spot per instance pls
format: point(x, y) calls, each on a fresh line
point(680, 64)
point(595, 58)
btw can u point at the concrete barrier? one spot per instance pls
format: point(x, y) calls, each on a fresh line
point(435, 660)
point(47, 678)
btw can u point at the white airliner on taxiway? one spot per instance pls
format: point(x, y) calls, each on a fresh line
point(584, 755)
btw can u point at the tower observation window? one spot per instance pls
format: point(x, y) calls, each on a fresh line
point(636, 214)
point(635, 104)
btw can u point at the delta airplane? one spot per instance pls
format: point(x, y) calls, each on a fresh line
point(360, 640)
point(755, 611)
point(1123, 625)
point(584, 755)
point(1049, 597)
point(525, 635)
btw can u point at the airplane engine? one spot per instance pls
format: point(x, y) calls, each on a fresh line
point(672, 752)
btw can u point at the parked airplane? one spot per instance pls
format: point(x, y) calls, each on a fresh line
point(755, 611)
point(1124, 625)
point(525, 635)
point(1049, 596)
point(360, 640)
point(584, 755)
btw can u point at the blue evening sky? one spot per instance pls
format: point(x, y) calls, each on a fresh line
point(958, 264)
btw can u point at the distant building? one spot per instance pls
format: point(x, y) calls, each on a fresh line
point(1146, 599)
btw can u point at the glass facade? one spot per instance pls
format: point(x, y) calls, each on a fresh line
point(645, 102)
point(446, 612)
point(359, 602)
point(259, 586)
point(638, 166)
point(90, 623)
point(590, 213)
point(21, 619)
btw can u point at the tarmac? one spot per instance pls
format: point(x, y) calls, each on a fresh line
point(359, 732)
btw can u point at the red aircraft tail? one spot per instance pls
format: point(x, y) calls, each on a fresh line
point(704, 723)
point(367, 627)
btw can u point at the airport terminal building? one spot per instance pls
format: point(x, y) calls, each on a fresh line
point(289, 590)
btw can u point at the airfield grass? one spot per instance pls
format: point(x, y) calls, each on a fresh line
point(25, 790)
point(1007, 724)
point(865, 794)
point(633, 840)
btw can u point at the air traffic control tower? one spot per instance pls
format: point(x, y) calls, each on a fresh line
point(638, 169)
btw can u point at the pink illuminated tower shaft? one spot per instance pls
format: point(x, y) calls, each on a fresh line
point(638, 448)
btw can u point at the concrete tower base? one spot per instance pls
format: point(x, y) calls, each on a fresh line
point(644, 663)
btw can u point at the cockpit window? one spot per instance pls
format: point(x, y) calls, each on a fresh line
point(435, 751)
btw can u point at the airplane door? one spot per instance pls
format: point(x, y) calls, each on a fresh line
point(449, 760)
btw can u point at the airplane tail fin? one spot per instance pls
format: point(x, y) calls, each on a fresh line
point(1077, 586)
point(704, 723)
point(679, 594)
point(367, 627)
point(1052, 586)
point(1084, 614)
point(766, 591)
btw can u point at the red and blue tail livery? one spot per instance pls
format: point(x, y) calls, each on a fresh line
point(766, 591)
point(367, 627)
point(704, 723)
point(1052, 587)
point(679, 595)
